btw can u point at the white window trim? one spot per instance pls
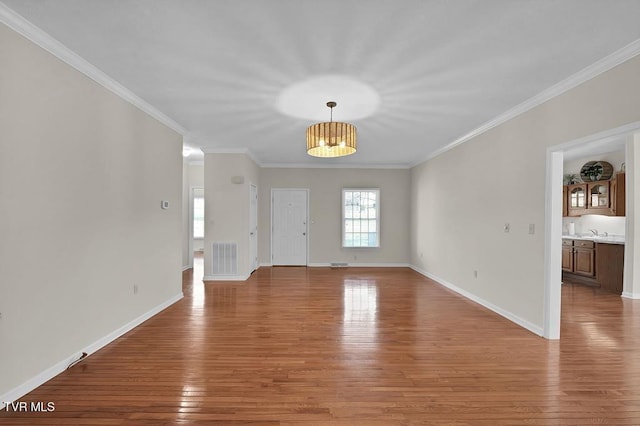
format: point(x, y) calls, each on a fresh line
point(342, 223)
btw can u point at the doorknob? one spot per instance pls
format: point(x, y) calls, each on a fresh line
point(304, 233)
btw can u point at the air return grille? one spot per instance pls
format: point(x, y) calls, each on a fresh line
point(224, 259)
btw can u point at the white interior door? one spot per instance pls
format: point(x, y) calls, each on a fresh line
point(253, 227)
point(289, 227)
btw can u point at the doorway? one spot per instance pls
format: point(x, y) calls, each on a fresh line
point(553, 220)
point(253, 228)
point(289, 230)
point(196, 222)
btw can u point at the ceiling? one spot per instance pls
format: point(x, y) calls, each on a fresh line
point(414, 76)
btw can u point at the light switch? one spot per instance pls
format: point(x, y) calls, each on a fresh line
point(164, 205)
point(532, 228)
point(507, 227)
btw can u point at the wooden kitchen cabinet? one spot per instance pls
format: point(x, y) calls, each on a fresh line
point(584, 259)
point(567, 255)
point(610, 266)
point(577, 199)
point(578, 257)
point(618, 193)
point(604, 197)
point(599, 197)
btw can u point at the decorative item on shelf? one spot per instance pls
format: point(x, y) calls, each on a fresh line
point(623, 168)
point(571, 178)
point(596, 170)
point(331, 139)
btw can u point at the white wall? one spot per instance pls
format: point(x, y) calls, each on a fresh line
point(462, 198)
point(82, 176)
point(325, 212)
point(227, 206)
point(186, 235)
point(615, 158)
point(631, 260)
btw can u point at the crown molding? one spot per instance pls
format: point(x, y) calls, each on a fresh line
point(245, 151)
point(603, 65)
point(25, 28)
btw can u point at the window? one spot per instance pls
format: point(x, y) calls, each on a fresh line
point(198, 216)
point(360, 218)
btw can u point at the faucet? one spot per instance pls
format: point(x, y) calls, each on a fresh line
point(594, 232)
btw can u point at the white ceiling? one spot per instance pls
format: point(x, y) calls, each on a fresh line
point(413, 75)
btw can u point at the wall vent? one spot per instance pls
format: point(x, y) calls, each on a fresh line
point(224, 259)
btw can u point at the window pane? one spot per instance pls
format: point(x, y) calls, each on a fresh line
point(360, 220)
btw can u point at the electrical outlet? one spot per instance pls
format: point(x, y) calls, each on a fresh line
point(135, 289)
point(532, 228)
point(507, 227)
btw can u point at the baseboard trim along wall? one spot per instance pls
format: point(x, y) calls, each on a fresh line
point(508, 315)
point(226, 277)
point(628, 295)
point(184, 268)
point(360, 265)
point(46, 375)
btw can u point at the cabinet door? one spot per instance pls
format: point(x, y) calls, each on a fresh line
point(618, 189)
point(565, 203)
point(577, 199)
point(599, 197)
point(567, 258)
point(584, 261)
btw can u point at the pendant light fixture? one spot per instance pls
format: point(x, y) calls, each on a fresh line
point(331, 139)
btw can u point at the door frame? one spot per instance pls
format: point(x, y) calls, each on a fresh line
point(553, 223)
point(253, 267)
point(273, 190)
point(190, 213)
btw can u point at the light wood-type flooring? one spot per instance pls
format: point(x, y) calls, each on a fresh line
point(375, 346)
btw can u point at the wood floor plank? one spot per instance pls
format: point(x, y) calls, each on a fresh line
point(370, 346)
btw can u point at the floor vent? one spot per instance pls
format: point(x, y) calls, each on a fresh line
point(224, 259)
point(339, 264)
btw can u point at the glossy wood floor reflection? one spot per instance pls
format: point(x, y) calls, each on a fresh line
point(353, 347)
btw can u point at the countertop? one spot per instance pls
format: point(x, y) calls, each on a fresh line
point(610, 239)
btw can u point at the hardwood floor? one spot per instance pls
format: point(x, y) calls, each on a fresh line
point(353, 347)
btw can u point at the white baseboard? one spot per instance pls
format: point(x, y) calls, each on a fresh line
point(265, 265)
point(628, 295)
point(46, 375)
point(504, 313)
point(225, 277)
point(184, 268)
point(362, 265)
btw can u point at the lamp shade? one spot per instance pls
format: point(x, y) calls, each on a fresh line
point(331, 139)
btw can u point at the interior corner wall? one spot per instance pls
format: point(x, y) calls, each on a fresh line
point(186, 234)
point(462, 199)
point(227, 207)
point(82, 177)
point(631, 260)
point(325, 213)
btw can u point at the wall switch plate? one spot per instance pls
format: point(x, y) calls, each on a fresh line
point(507, 227)
point(164, 205)
point(532, 228)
